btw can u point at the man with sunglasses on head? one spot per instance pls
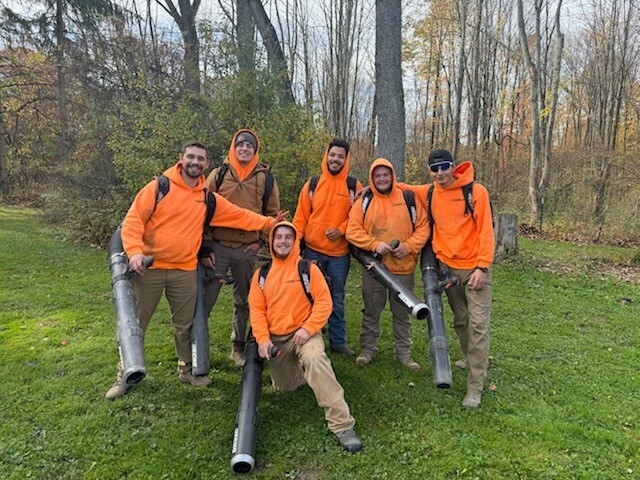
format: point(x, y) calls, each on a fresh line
point(462, 238)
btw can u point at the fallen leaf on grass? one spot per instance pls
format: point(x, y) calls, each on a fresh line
point(492, 387)
point(64, 342)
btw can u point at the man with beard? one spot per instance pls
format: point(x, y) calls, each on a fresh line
point(374, 228)
point(321, 220)
point(282, 315)
point(246, 182)
point(170, 230)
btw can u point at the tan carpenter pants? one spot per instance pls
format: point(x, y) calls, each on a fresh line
point(472, 311)
point(180, 288)
point(308, 363)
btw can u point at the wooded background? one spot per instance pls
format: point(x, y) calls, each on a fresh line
point(97, 96)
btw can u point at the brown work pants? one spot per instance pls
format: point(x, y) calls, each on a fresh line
point(308, 363)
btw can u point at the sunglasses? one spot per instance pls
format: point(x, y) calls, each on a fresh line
point(440, 166)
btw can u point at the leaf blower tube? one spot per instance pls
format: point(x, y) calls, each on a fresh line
point(128, 331)
point(382, 274)
point(245, 433)
point(200, 326)
point(433, 288)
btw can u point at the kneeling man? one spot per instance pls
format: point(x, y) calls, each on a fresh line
point(283, 315)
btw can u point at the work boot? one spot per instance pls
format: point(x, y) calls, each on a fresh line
point(349, 440)
point(364, 358)
point(462, 363)
point(472, 399)
point(344, 350)
point(237, 355)
point(119, 389)
point(194, 380)
point(410, 363)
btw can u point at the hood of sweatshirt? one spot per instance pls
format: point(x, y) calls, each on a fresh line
point(385, 163)
point(341, 176)
point(294, 254)
point(243, 172)
point(462, 175)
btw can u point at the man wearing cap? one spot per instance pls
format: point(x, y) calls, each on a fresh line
point(387, 218)
point(283, 316)
point(170, 230)
point(246, 182)
point(462, 239)
point(321, 219)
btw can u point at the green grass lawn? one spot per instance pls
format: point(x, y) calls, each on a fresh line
point(564, 365)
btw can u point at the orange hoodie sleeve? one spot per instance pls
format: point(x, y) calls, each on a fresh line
point(356, 233)
point(322, 303)
point(136, 218)
point(303, 210)
point(420, 191)
point(421, 232)
point(258, 310)
point(229, 215)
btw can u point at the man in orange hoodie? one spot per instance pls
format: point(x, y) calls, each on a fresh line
point(283, 315)
point(462, 239)
point(243, 180)
point(321, 219)
point(170, 230)
point(387, 218)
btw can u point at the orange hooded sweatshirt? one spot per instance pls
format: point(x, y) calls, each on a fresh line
point(458, 240)
point(329, 208)
point(388, 219)
point(173, 232)
point(243, 172)
point(283, 307)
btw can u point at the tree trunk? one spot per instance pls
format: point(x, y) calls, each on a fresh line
point(389, 90)
point(245, 29)
point(63, 115)
point(4, 175)
point(186, 21)
point(462, 20)
point(506, 235)
point(277, 61)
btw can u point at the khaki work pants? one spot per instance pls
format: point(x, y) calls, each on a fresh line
point(472, 311)
point(180, 288)
point(374, 297)
point(308, 363)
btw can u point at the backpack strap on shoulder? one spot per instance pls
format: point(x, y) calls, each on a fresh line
point(304, 265)
point(410, 200)
point(352, 184)
point(467, 193)
point(220, 174)
point(429, 200)
point(163, 185)
point(366, 201)
point(313, 183)
point(210, 202)
point(264, 270)
point(268, 190)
